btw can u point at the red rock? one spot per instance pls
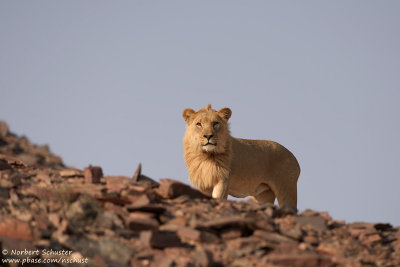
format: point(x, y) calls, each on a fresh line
point(288, 227)
point(137, 173)
point(207, 237)
point(140, 224)
point(145, 203)
point(133, 191)
point(68, 173)
point(16, 229)
point(273, 239)
point(83, 211)
point(54, 219)
point(99, 261)
point(172, 189)
point(16, 178)
point(41, 221)
point(29, 159)
point(331, 249)
point(135, 263)
point(362, 225)
point(9, 244)
point(231, 221)
point(309, 239)
point(231, 233)
point(179, 221)
point(203, 257)
point(4, 165)
point(77, 185)
point(143, 180)
point(139, 221)
point(113, 198)
point(160, 239)
point(5, 182)
point(369, 239)
point(245, 245)
point(300, 260)
point(162, 260)
point(309, 212)
point(315, 222)
point(59, 233)
point(264, 224)
point(4, 192)
point(9, 179)
point(118, 210)
point(187, 234)
point(42, 193)
point(43, 176)
point(182, 256)
point(326, 215)
point(304, 246)
point(284, 210)
point(145, 237)
point(141, 215)
point(294, 232)
point(13, 160)
point(383, 226)
point(3, 129)
point(76, 180)
point(356, 232)
point(335, 223)
point(123, 180)
point(141, 201)
point(93, 174)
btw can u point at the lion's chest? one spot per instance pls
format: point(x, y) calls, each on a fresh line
point(206, 174)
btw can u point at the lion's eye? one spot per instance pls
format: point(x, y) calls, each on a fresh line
point(215, 124)
point(198, 124)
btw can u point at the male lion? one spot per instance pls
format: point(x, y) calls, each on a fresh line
point(219, 164)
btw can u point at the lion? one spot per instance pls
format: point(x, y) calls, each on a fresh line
point(219, 164)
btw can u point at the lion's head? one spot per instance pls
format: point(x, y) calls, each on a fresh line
point(207, 129)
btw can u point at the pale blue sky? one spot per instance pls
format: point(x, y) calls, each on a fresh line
point(105, 83)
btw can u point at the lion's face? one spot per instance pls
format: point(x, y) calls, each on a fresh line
point(207, 129)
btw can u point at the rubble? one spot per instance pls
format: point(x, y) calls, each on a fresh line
point(19, 149)
point(120, 221)
point(93, 174)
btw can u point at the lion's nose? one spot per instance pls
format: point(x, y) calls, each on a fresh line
point(208, 136)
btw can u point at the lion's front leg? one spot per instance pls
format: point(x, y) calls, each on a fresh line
point(220, 190)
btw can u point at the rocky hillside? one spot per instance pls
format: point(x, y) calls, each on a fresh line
point(51, 215)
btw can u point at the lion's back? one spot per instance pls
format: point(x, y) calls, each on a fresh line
point(263, 155)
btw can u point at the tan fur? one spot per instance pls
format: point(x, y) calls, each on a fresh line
point(219, 164)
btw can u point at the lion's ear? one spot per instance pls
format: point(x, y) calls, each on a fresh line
point(187, 113)
point(225, 113)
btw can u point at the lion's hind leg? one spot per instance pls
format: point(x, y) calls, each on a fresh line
point(265, 196)
point(288, 195)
